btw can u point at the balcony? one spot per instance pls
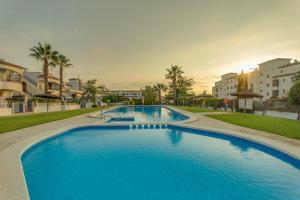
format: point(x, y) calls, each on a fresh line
point(54, 92)
point(9, 85)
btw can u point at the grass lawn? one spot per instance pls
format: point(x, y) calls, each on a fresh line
point(285, 127)
point(21, 121)
point(197, 109)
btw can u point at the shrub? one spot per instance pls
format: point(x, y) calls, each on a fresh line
point(294, 96)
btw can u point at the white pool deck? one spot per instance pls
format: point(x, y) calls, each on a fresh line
point(14, 143)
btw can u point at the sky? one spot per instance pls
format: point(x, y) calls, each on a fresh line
point(127, 44)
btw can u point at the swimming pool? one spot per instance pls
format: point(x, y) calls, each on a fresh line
point(144, 114)
point(119, 162)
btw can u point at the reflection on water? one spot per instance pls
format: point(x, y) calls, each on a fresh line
point(174, 135)
point(157, 114)
point(242, 146)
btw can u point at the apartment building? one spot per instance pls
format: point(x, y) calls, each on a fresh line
point(11, 80)
point(74, 88)
point(272, 79)
point(226, 86)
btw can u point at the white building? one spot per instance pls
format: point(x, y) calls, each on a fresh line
point(272, 78)
point(225, 86)
point(129, 94)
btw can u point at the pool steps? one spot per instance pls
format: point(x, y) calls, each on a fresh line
point(148, 126)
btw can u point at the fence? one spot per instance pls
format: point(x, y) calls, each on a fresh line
point(4, 110)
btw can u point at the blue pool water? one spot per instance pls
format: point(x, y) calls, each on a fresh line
point(119, 163)
point(153, 114)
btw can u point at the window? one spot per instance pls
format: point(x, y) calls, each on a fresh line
point(282, 71)
point(283, 80)
point(275, 93)
point(275, 83)
point(268, 85)
point(260, 91)
point(267, 93)
point(268, 76)
point(261, 82)
point(283, 91)
point(9, 75)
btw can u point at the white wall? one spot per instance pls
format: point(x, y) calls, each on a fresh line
point(5, 111)
point(42, 107)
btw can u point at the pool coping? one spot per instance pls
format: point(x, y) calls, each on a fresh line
point(12, 171)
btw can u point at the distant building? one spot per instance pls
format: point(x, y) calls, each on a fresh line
point(226, 86)
point(272, 79)
point(129, 94)
point(74, 88)
point(75, 83)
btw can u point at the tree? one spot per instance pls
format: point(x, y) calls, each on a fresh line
point(47, 56)
point(296, 77)
point(179, 84)
point(149, 94)
point(90, 90)
point(294, 96)
point(173, 75)
point(63, 62)
point(185, 86)
point(242, 82)
point(160, 87)
point(111, 98)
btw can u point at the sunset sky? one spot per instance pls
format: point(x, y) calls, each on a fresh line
point(127, 44)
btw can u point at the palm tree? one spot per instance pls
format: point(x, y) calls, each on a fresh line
point(173, 75)
point(47, 56)
point(90, 90)
point(63, 62)
point(159, 87)
point(102, 90)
